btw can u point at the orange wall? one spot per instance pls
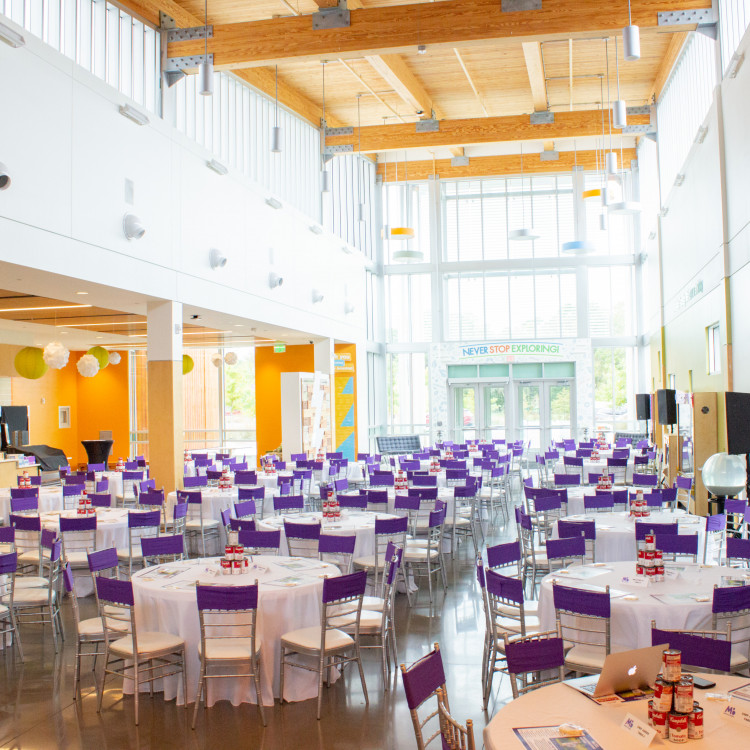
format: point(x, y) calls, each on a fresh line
point(268, 369)
point(98, 403)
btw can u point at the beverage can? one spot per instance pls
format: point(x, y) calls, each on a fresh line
point(678, 727)
point(672, 665)
point(695, 723)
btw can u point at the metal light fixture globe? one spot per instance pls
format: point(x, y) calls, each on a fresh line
point(724, 475)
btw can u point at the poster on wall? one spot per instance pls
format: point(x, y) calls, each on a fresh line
point(344, 400)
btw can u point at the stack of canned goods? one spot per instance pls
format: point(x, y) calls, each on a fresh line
point(331, 508)
point(84, 507)
point(234, 560)
point(401, 481)
point(638, 506)
point(435, 465)
point(650, 562)
point(673, 713)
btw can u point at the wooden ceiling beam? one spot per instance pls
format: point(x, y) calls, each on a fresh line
point(494, 166)
point(532, 52)
point(478, 130)
point(401, 28)
point(397, 74)
point(671, 56)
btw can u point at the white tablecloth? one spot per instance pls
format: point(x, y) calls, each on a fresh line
point(169, 604)
point(445, 494)
point(676, 607)
point(615, 532)
point(596, 467)
point(50, 498)
point(558, 704)
point(362, 524)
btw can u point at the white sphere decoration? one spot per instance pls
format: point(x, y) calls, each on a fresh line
point(88, 365)
point(55, 355)
point(114, 358)
point(230, 358)
point(724, 474)
point(216, 359)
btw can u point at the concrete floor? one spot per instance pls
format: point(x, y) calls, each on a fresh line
point(37, 710)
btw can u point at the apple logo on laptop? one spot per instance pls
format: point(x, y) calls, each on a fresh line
point(632, 670)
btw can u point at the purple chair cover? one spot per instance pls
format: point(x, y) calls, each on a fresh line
point(334, 455)
point(190, 497)
point(503, 554)
point(456, 474)
point(532, 493)
point(644, 480)
point(584, 452)
point(336, 544)
point(340, 485)
point(289, 502)
point(731, 599)
point(547, 503)
point(25, 523)
point(242, 524)
point(84, 523)
point(534, 655)
point(96, 467)
point(72, 490)
point(179, 511)
point(133, 465)
point(132, 475)
point(202, 462)
point(227, 598)
point(620, 496)
point(74, 479)
point(7, 535)
point(669, 495)
point(153, 497)
point(213, 475)
point(382, 480)
point(681, 544)
point(22, 504)
point(573, 461)
point(464, 491)
point(716, 522)
point(226, 517)
point(697, 651)
point(571, 546)
point(391, 525)
point(260, 538)
point(299, 457)
point(195, 481)
point(246, 477)
point(654, 499)
point(587, 529)
point(737, 548)
point(580, 601)
point(424, 493)
point(406, 502)
point(504, 586)
point(103, 559)
point(407, 465)
point(378, 496)
point(425, 481)
point(251, 493)
point(245, 508)
point(140, 519)
point(594, 502)
point(153, 546)
point(114, 591)
point(568, 480)
point(353, 501)
point(17, 493)
point(645, 527)
point(301, 530)
point(343, 587)
point(683, 483)
point(617, 462)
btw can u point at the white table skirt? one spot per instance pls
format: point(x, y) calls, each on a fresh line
point(361, 524)
point(558, 704)
point(169, 605)
point(615, 532)
point(50, 498)
point(596, 467)
point(631, 620)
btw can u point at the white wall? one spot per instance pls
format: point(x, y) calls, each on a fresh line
point(70, 152)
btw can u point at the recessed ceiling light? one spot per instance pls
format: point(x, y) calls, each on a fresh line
point(45, 307)
point(81, 292)
point(239, 325)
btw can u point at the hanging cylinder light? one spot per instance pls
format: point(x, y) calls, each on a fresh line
point(276, 130)
point(325, 175)
point(619, 108)
point(407, 254)
point(631, 39)
point(524, 233)
point(206, 68)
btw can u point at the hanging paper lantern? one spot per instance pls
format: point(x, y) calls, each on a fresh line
point(101, 354)
point(230, 358)
point(30, 363)
point(88, 365)
point(216, 359)
point(114, 358)
point(187, 364)
point(56, 355)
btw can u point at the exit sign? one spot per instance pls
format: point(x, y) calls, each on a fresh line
point(279, 348)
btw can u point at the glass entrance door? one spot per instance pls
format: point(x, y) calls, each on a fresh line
point(464, 413)
point(560, 409)
point(479, 412)
point(494, 418)
point(529, 414)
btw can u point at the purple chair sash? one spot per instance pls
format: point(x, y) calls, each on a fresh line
point(423, 678)
point(579, 601)
point(534, 655)
point(227, 598)
point(343, 587)
point(503, 554)
point(697, 651)
point(301, 530)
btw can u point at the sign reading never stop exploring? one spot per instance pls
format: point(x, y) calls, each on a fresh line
point(517, 348)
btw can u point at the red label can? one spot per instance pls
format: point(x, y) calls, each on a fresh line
point(639, 569)
point(237, 565)
point(659, 572)
point(642, 556)
point(649, 559)
point(650, 540)
point(650, 709)
point(660, 723)
point(226, 565)
point(239, 550)
point(683, 695)
point(695, 723)
point(650, 572)
point(663, 692)
point(672, 665)
point(229, 552)
point(678, 727)
point(658, 557)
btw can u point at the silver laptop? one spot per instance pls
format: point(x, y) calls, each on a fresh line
point(626, 670)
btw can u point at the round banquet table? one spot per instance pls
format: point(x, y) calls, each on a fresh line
point(359, 523)
point(165, 600)
point(615, 531)
point(558, 704)
point(597, 467)
point(50, 498)
point(682, 603)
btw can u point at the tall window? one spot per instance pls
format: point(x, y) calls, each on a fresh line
point(614, 388)
point(408, 394)
point(714, 349)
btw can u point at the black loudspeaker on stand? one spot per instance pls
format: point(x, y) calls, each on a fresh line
point(666, 406)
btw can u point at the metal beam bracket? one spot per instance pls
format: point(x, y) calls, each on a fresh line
point(517, 6)
point(339, 131)
point(460, 161)
point(644, 110)
point(542, 118)
point(428, 126)
point(332, 18)
point(638, 129)
point(166, 21)
point(186, 63)
point(194, 32)
point(342, 149)
point(549, 155)
point(699, 16)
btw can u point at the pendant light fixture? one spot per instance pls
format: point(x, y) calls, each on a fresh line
point(611, 156)
point(631, 39)
point(276, 130)
point(619, 108)
point(206, 68)
point(325, 175)
point(580, 245)
point(407, 255)
point(385, 232)
point(361, 208)
point(524, 233)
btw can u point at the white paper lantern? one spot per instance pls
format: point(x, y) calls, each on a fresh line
point(216, 359)
point(114, 358)
point(230, 358)
point(88, 365)
point(55, 355)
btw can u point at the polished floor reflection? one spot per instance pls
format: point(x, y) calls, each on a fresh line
point(37, 709)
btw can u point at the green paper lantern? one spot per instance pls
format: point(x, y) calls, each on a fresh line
point(101, 354)
point(30, 363)
point(187, 364)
